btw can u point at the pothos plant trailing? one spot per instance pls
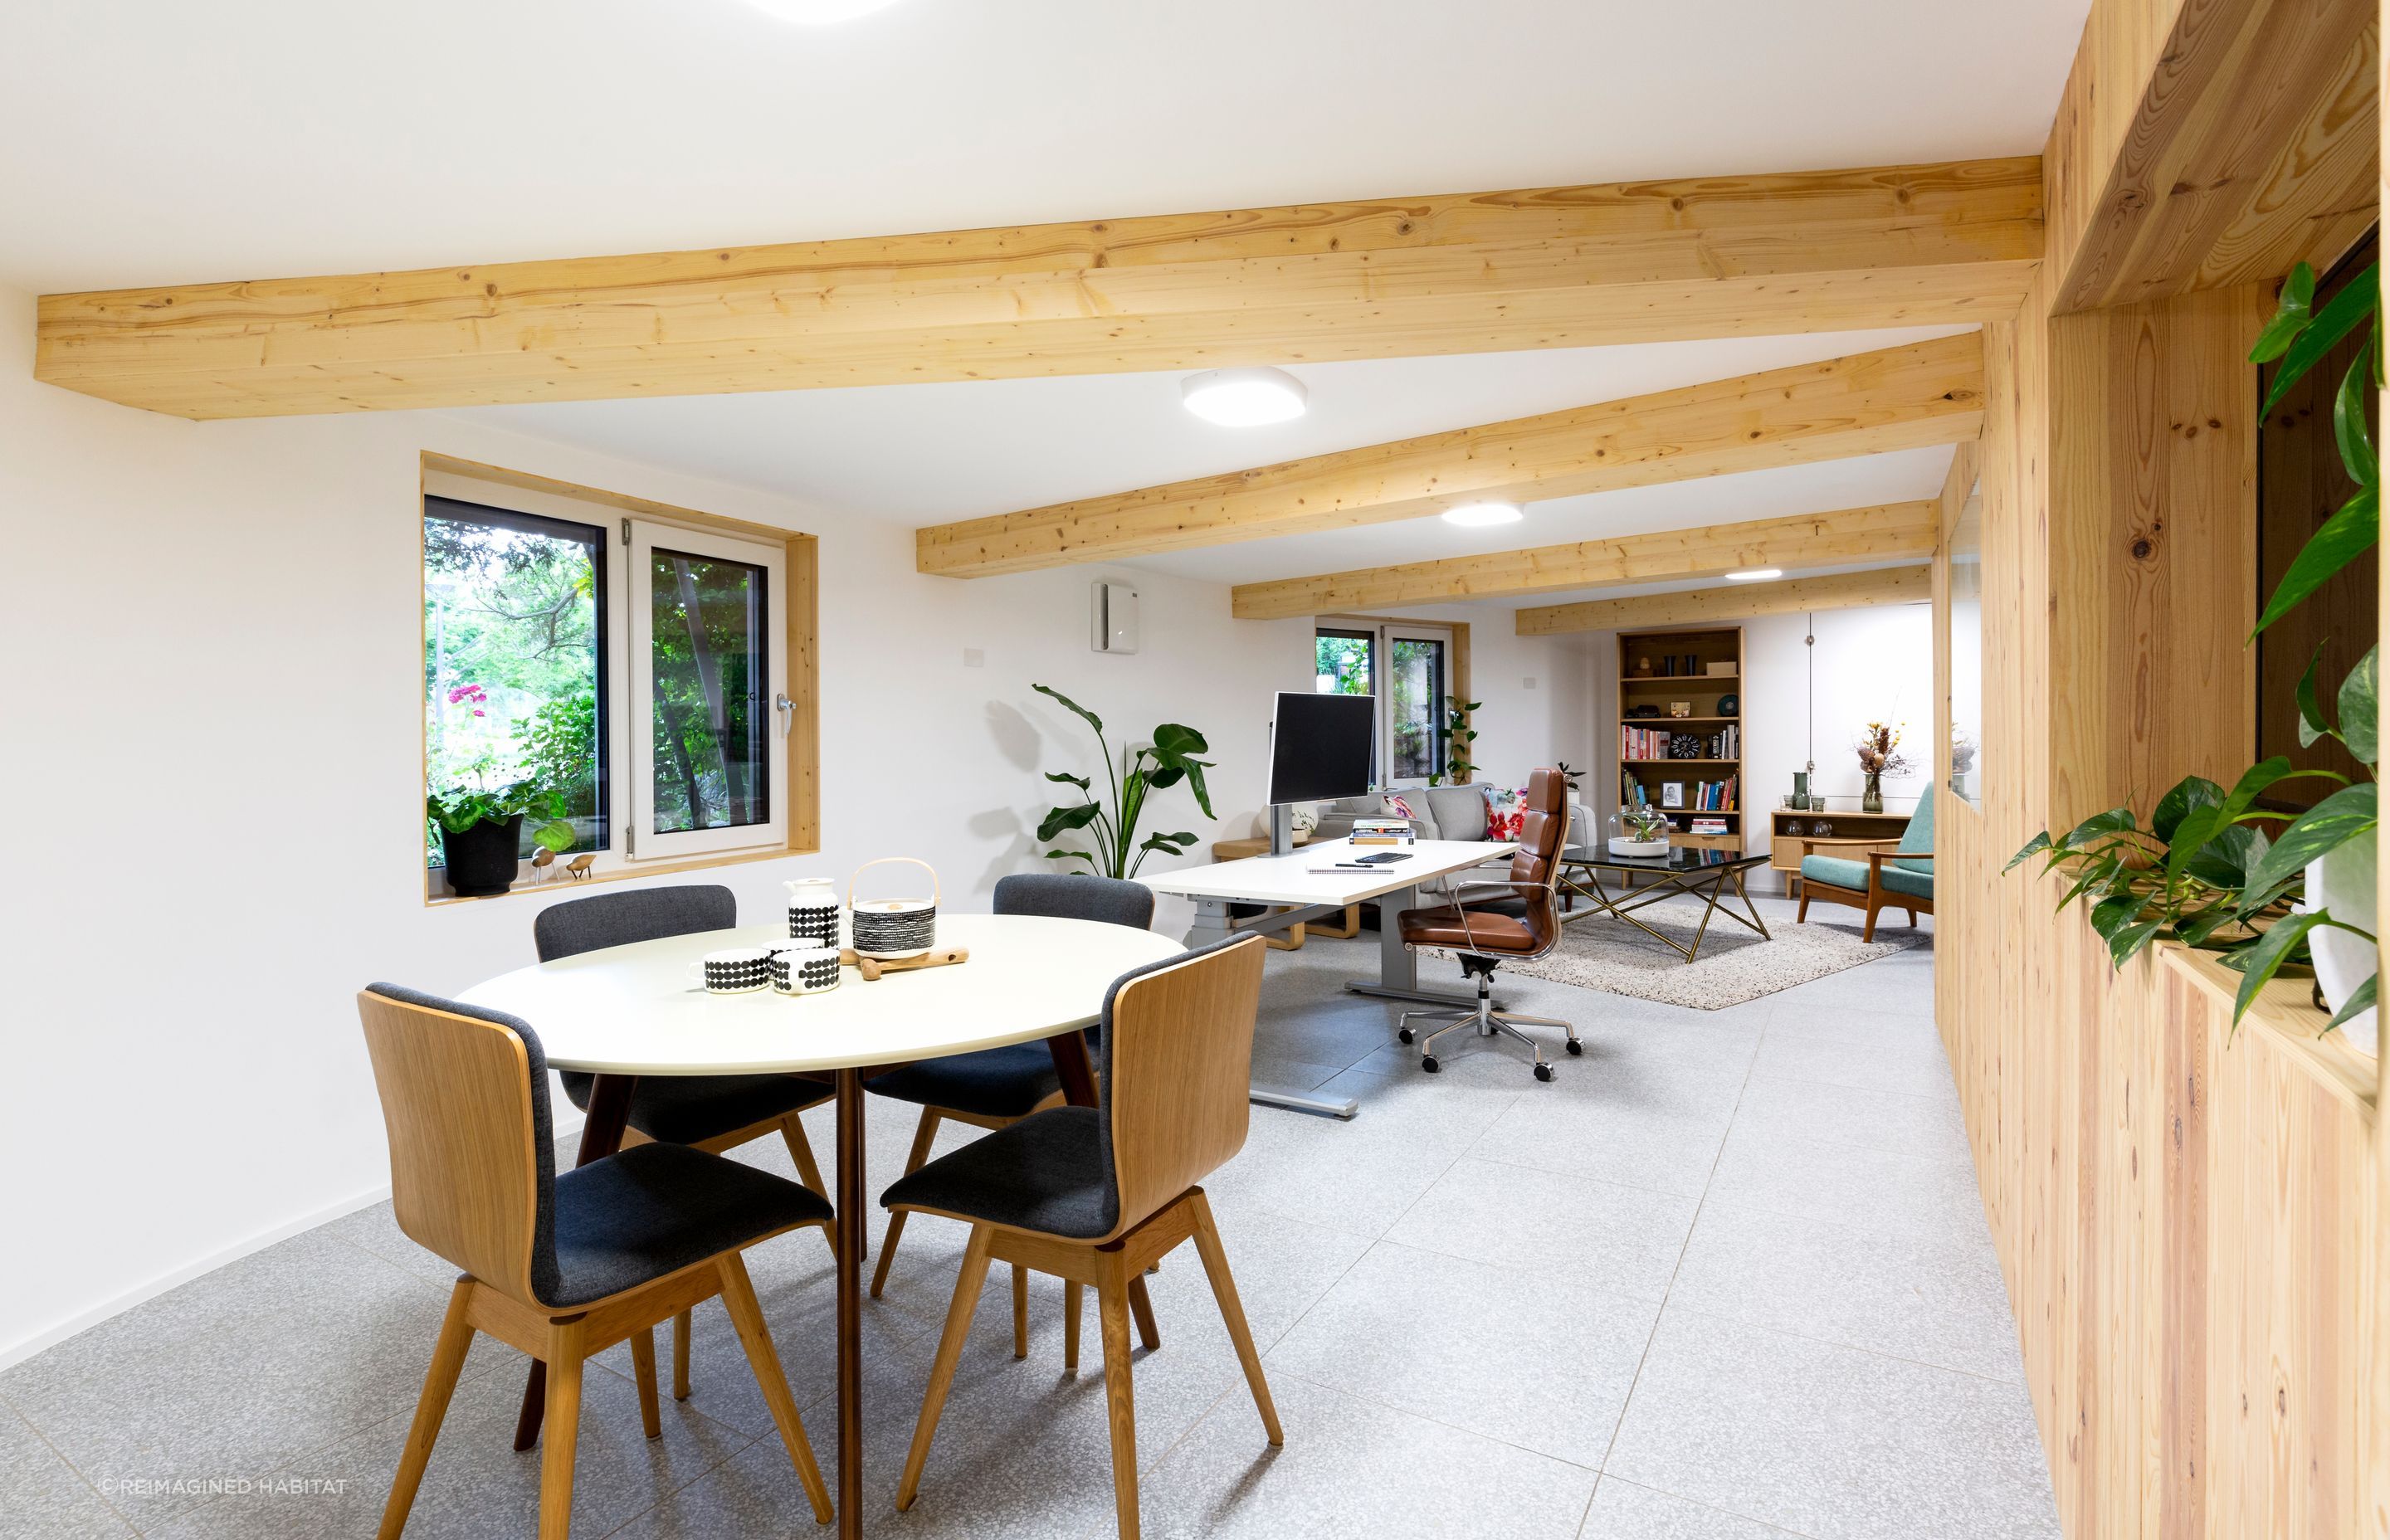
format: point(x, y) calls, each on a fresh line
point(1111, 827)
point(1458, 735)
point(2201, 871)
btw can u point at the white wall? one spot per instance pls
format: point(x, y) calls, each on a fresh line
point(211, 751)
point(1871, 664)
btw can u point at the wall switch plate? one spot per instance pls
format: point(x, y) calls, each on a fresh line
point(974, 658)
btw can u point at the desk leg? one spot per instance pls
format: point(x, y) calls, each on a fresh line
point(1078, 1073)
point(1214, 923)
point(1398, 965)
point(849, 1263)
point(601, 1134)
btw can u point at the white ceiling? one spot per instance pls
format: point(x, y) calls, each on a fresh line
point(154, 141)
point(161, 141)
point(913, 455)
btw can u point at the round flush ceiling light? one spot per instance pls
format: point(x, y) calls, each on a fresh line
point(1757, 574)
point(820, 13)
point(1476, 516)
point(1244, 398)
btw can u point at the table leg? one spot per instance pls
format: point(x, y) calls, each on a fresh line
point(849, 1263)
point(601, 1134)
point(1398, 965)
point(1073, 1063)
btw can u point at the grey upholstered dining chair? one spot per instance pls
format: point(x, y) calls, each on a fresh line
point(559, 1266)
point(997, 1087)
point(710, 1112)
point(1096, 1194)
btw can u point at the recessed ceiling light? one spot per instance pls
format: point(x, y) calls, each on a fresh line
point(1478, 514)
point(1757, 574)
point(1244, 398)
point(817, 13)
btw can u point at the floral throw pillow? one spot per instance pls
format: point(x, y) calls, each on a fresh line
point(1504, 810)
point(1396, 807)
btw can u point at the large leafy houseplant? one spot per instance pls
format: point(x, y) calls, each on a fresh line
point(1458, 735)
point(2201, 870)
point(1109, 820)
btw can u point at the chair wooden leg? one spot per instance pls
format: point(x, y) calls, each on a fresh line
point(739, 1297)
point(439, 1384)
point(924, 1136)
point(1866, 932)
point(950, 1352)
point(1141, 1304)
point(1119, 1396)
point(563, 1428)
point(643, 1373)
point(1232, 1311)
point(801, 1150)
point(1070, 1292)
point(1912, 919)
point(1020, 1311)
point(1801, 917)
point(680, 1356)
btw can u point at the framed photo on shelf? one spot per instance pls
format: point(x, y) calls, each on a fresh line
point(1672, 794)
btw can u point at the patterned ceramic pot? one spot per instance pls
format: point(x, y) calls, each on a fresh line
point(888, 929)
point(813, 910)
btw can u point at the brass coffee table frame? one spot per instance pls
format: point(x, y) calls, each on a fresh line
point(1707, 882)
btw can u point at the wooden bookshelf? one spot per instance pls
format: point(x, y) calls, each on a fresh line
point(1692, 653)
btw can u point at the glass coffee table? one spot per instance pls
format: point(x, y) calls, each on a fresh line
point(1708, 875)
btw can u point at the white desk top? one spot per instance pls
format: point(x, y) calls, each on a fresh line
point(1289, 880)
point(634, 1010)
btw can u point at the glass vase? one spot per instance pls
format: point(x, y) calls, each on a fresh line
point(1874, 801)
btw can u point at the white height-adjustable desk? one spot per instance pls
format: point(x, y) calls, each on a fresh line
point(1288, 883)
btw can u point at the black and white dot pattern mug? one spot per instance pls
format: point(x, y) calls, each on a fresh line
point(734, 970)
point(804, 968)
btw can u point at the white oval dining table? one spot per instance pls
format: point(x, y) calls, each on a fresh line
point(621, 1012)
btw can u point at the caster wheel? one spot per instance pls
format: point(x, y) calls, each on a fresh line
point(1428, 1064)
point(1543, 1072)
point(1404, 1035)
point(1576, 1046)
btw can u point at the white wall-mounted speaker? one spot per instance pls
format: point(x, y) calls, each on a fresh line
point(1114, 617)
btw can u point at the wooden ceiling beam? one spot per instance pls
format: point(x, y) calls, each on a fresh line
point(1737, 601)
point(1885, 531)
point(1908, 397)
point(1544, 267)
point(2204, 144)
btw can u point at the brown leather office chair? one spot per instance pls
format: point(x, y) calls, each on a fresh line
point(1491, 921)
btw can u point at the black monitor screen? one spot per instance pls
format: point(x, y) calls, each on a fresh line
point(1321, 746)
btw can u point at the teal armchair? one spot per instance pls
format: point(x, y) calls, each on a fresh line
point(1899, 879)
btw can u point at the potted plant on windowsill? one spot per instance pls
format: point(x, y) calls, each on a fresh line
point(480, 830)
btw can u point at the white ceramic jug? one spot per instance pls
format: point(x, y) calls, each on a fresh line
point(814, 907)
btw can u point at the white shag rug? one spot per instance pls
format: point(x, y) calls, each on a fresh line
point(1734, 965)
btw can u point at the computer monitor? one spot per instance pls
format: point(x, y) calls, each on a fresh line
point(1321, 746)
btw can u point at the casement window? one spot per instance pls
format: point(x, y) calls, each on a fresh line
point(1411, 669)
point(635, 667)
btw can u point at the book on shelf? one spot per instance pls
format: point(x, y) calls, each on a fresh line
point(1653, 743)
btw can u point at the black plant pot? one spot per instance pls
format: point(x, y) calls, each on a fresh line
point(482, 859)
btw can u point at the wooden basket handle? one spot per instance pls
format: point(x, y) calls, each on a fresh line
point(935, 892)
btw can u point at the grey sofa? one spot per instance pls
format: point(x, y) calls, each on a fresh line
point(1437, 812)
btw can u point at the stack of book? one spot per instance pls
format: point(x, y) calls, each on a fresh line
point(1709, 825)
point(1382, 831)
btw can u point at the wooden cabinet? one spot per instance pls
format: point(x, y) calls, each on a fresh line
point(1883, 830)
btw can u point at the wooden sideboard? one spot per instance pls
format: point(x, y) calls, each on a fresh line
point(1784, 846)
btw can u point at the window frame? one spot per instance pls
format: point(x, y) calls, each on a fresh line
point(791, 622)
point(644, 844)
point(1385, 631)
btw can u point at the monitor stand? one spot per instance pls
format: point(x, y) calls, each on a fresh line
point(1282, 826)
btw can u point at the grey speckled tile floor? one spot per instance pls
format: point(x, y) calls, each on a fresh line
point(1726, 1277)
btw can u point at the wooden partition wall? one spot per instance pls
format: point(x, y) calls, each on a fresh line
point(2190, 1218)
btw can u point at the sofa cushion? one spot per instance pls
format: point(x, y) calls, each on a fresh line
point(1459, 812)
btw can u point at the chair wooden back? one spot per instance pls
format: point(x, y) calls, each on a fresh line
point(1178, 1052)
point(464, 1102)
point(1542, 834)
